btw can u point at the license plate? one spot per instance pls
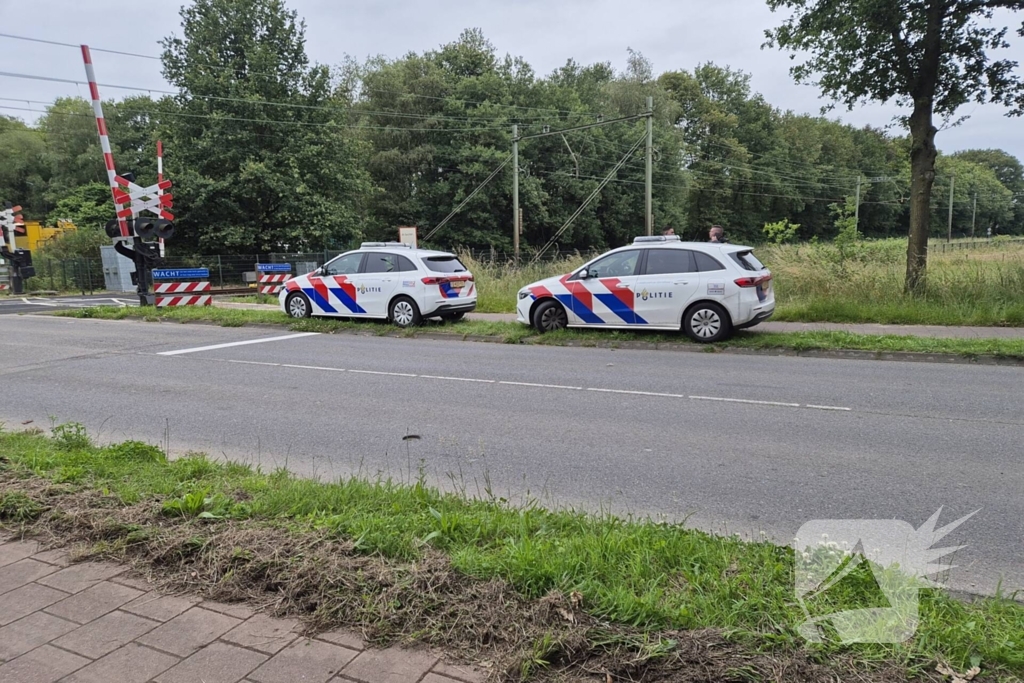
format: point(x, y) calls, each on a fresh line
point(458, 284)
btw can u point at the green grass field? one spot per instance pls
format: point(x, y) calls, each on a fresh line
point(648, 576)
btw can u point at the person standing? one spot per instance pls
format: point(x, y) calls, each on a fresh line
point(669, 231)
point(717, 234)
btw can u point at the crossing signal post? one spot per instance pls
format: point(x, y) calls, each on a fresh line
point(131, 200)
point(20, 260)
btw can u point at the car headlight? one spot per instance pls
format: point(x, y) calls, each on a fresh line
point(524, 293)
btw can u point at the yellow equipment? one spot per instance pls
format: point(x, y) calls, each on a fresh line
point(36, 234)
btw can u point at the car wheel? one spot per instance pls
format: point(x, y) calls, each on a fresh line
point(453, 317)
point(404, 312)
point(298, 306)
point(550, 316)
point(706, 322)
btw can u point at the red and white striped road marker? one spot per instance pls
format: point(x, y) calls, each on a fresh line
point(4, 286)
point(101, 125)
point(180, 287)
point(271, 283)
point(201, 300)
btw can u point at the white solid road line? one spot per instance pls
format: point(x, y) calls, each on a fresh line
point(240, 343)
point(827, 408)
point(312, 367)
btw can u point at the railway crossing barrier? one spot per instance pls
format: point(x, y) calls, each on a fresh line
point(270, 277)
point(193, 292)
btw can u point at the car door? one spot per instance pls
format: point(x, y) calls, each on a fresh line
point(332, 291)
point(606, 295)
point(376, 282)
point(669, 280)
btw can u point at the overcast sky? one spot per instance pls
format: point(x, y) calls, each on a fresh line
point(672, 34)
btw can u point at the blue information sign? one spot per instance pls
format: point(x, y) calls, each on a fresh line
point(179, 273)
point(274, 267)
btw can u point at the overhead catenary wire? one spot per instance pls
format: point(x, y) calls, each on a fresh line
point(270, 73)
point(468, 198)
point(589, 199)
point(237, 119)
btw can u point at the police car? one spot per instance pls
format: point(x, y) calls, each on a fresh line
point(707, 289)
point(387, 280)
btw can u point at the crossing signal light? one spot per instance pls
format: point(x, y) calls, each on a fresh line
point(154, 227)
point(113, 229)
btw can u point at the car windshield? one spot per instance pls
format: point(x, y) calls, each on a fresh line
point(444, 264)
point(746, 260)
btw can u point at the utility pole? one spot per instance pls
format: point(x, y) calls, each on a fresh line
point(856, 211)
point(649, 200)
point(515, 191)
point(974, 214)
point(949, 229)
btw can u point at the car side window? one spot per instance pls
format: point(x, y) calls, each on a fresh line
point(707, 264)
point(619, 264)
point(344, 265)
point(405, 265)
point(665, 261)
point(380, 263)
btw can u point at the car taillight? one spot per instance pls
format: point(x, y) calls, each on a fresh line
point(446, 280)
point(752, 281)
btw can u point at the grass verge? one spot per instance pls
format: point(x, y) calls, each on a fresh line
point(513, 333)
point(543, 595)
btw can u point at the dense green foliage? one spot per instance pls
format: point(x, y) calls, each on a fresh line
point(270, 152)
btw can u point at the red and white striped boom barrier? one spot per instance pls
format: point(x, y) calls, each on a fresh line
point(101, 125)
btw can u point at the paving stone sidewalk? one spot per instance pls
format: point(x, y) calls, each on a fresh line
point(91, 622)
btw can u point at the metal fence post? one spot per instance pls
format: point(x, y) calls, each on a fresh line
point(220, 271)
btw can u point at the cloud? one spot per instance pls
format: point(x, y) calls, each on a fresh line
point(670, 33)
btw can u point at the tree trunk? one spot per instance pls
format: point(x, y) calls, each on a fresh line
point(922, 176)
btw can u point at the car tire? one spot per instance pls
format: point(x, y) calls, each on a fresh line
point(298, 306)
point(706, 322)
point(453, 317)
point(550, 316)
point(404, 312)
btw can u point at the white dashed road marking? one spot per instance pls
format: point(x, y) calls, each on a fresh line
point(601, 390)
point(745, 400)
point(238, 343)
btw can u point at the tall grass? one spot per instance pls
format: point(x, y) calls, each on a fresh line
point(859, 283)
point(819, 283)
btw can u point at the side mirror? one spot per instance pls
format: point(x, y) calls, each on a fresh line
point(583, 274)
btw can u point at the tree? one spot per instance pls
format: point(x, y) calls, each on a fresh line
point(259, 152)
point(928, 56)
point(23, 172)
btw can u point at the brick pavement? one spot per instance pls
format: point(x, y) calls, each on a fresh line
point(90, 622)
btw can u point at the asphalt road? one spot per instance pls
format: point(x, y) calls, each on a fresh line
point(735, 443)
point(10, 305)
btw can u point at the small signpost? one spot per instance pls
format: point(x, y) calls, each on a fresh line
point(407, 235)
point(270, 277)
point(194, 292)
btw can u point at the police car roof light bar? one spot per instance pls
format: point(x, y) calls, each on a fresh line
point(366, 245)
point(657, 238)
